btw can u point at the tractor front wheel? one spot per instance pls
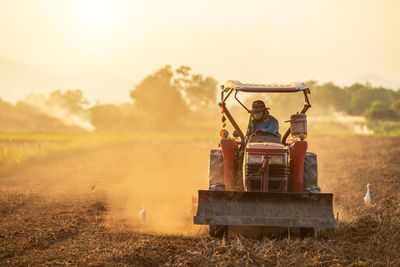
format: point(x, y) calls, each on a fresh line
point(308, 233)
point(217, 230)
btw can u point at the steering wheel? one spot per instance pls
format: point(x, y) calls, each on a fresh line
point(260, 132)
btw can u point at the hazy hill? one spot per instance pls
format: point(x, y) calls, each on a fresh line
point(376, 81)
point(18, 80)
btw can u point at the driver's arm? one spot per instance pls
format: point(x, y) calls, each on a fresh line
point(250, 130)
point(273, 126)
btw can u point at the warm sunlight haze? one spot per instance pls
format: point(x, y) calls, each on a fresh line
point(96, 16)
point(199, 133)
point(91, 44)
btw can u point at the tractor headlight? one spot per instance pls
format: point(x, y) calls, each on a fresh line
point(255, 159)
point(276, 160)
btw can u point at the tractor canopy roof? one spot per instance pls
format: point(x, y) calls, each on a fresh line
point(264, 88)
point(235, 87)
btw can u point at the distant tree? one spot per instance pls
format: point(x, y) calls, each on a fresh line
point(106, 117)
point(5, 108)
point(25, 117)
point(183, 70)
point(396, 106)
point(166, 97)
point(72, 100)
point(362, 96)
point(131, 117)
point(330, 95)
point(160, 100)
point(380, 111)
point(65, 106)
point(200, 92)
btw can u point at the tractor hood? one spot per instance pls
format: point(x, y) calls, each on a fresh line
point(258, 146)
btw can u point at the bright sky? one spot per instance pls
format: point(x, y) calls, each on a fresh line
point(251, 41)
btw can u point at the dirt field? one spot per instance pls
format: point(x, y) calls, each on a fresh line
point(50, 213)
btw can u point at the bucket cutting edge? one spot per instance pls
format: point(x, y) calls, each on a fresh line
point(235, 208)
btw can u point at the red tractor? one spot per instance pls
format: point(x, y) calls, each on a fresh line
point(281, 181)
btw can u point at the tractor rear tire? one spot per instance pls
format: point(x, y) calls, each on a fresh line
point(217, 230)
point(308, 233)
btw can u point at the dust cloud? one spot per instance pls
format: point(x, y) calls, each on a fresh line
point(56, 110)
point(356, 124)
point(165, 175)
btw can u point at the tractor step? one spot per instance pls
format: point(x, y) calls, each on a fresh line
point(306, 210)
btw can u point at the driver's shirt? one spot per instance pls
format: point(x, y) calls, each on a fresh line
point(269, 124)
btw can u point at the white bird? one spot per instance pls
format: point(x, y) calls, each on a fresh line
point(93, 186)
point(367, 197)
point(142, 213)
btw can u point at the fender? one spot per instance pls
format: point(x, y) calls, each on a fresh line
point(229, 152)
point(297, 151)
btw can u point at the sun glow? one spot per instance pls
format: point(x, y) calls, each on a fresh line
point(96, 16)
point(105, 19)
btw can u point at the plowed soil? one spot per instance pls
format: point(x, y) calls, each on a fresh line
point(53, 211)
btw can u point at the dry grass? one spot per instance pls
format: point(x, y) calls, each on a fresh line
point(20, 148)
point(63, 222)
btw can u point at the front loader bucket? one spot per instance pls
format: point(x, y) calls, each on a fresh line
point(306, 210)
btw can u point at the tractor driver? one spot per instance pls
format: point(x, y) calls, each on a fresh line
point(261, 120)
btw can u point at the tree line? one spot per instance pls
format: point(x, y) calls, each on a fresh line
point(161, 101)
point(374, 103)
point(167, 98)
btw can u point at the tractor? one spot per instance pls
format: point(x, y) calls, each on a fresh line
point(280, 189)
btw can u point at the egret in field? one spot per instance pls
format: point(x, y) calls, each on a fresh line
point(93, 186)
point(142, 214)
point(367, 197)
